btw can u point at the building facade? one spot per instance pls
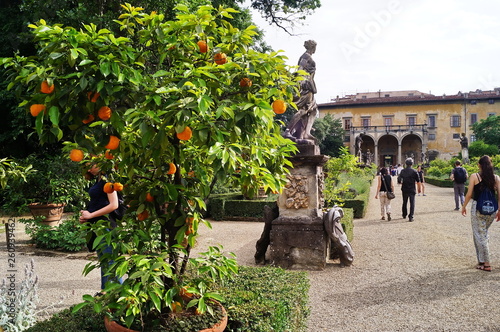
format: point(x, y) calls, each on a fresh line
point(395, 125)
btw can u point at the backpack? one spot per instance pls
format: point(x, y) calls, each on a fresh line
point(120, 211)
point(487, 203)
point(460, 175)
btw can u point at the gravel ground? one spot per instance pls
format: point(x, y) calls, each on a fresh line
point(406, 276)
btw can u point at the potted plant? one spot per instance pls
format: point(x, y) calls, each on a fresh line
point(54, 182)
point(161, 107)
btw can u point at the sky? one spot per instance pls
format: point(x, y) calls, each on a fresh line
point(433, 46)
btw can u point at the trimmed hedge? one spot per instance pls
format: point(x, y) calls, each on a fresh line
point(259, 299)
point(445, 183)
point(235, 207)
point(359, 205)
point(348, 223)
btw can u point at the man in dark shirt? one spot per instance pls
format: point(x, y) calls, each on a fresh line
point(408, 177)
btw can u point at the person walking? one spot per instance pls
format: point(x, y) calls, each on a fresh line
point(384, 186)
point(420, 184)
point(459, 176)
point(98, 208)
point(481, 222)
point(408, 177)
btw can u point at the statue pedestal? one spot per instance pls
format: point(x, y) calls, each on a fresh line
point(298, 239)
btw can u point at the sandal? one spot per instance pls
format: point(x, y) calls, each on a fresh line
point(483, 267)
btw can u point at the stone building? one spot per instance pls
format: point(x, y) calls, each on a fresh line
point(395, 125)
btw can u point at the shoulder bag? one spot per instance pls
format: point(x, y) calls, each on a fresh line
point(390, 194)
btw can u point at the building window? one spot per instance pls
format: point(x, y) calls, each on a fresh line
point(431, 121)
point(472, 138)
point(347, 124)
point(473, 118)
point(363, 97)
point(411, 120)
point(432, 137)
point(456, 136)
point(455, 121)
point(347, 138)
point(473, 102)
point(387, 96)
point(365, 122)
point(387, 121)
point(491, 101)
point(491, 114)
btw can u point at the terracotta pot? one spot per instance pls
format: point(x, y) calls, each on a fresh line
point(52, 212)
point(112, 326)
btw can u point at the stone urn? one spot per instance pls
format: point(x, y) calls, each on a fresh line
point(52, 213)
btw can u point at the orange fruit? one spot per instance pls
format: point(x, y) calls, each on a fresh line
point(185, 294)
point(118, 186)
point(104, 113)
point(108, 155)
point(76, 155)
point(279, 106)
point(189, 230)
point(203, 46)
point(191, 174)
point(176, 306)
point(143, 215)
point(46, 88)
point(88, 119)
point(245, 82)
point(185, 135)
point(149, 197)
point(220, 58)
point(108, 188)
point(172, 168)
point(35, 109)
point(113, 143)
point(93, 97)
point(189, 220)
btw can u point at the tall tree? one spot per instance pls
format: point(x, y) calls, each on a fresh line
point(330, 135)
point(488, 130)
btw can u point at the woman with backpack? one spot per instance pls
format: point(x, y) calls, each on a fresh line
point(482, 214)
point(384, 186)
point(420, 184)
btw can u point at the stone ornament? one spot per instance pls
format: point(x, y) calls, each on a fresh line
point(297, 192)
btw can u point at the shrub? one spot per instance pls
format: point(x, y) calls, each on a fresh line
point(67, 236)
point(479, 148)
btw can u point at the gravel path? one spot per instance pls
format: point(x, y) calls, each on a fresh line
point(406, 276)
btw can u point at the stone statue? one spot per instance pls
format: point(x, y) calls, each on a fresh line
point(464, 142)
point(299, 127)
point(357, 146)
point(369, 157)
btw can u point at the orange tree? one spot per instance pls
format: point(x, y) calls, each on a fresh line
point(149, 102)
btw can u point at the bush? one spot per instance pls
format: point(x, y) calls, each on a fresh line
point(479, 148)
point(235, 207)
point(67, 236)
point(258, 300)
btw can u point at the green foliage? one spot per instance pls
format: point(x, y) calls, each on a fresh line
point(488, 130)
point(330, 135)
point(235, 207)
point(67, 236)
point(48, 179)
point(257, 300)
point(10, 171)
point(480, 148)
point(157, 83)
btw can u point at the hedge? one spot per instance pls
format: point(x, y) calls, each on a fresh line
point(445, 183)
point(359, 205)
point(235, 207)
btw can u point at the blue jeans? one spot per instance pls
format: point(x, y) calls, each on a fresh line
point(411, 198)
point(104, 278)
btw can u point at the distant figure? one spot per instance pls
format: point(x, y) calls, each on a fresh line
point(421, 178)
point(459, 176)
point(299, 127)
point(384, 185)
point(408, 177)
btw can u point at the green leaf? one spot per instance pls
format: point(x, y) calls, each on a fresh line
point(54, 115)
point(85, 62)
point(156, 300)
point(105, 68)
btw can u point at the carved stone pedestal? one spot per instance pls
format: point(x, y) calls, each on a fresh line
point(298, 237)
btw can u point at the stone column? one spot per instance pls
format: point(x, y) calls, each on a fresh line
point(298, 237)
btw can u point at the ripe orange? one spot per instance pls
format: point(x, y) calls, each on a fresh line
point(176, 306)
point(35, 109)
point(108, 155)
point(46, 88)
point(279, 106)
point(245, 82)
point(189, 230)
point(88, 119)
point(76, 155)
point(118, 186)
point(149, 197)
point(220, 58)
point(104, 113)
point(93, 97)
point(185, 135)
point(172, 168)
point(203, 46)
point(108, 188)
point(143, 215)
point(114, 142)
